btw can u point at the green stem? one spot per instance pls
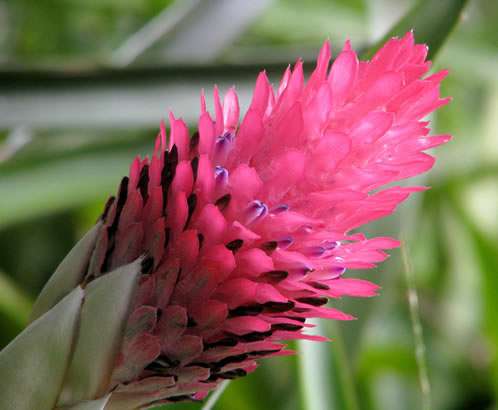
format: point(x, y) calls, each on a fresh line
point(413, 305)
point(314, 374)
point(343, 369)
point(216, 395)
point(325, 377)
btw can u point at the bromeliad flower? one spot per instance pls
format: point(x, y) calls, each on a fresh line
point(238, 234)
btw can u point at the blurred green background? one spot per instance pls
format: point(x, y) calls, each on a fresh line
point(83, 87)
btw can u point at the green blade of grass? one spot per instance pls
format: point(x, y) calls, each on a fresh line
point(216, 395)
point(314, 377)
point(431, 21)
point(487, 260)
point(14, 302)
point(325, 376)
point(57, 182)
point(418, 338)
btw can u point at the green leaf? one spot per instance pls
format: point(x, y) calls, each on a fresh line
point(418, 339)
point(325, 374)
point(108, 303)
point(77, 177)
point(314, 376)
point(98, 404)
point(373, 360)
point(213, 398)
point(35, 362)
point(431, 21)
point(487, 260)
point(68, 275)
point(14, 302)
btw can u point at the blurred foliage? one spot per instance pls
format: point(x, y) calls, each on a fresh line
point(432, 21)
point(64, 176)
point(65, 28)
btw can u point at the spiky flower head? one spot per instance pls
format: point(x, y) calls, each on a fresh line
point(243, 228)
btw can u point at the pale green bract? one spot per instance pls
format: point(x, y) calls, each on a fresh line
point(64, 358)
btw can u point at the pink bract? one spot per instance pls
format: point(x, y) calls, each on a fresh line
point(245, 225)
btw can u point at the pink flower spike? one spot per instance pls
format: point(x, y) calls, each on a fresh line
point(246, 230)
